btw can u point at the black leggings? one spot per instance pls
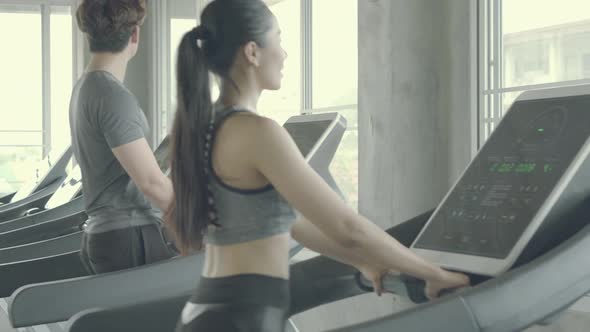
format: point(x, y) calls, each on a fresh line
point(242, 303)
point(124, 248)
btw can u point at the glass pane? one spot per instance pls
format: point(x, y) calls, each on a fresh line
point(286, 102)
point(11, 138)
point(21, 67)
point(21, 85)
point(345, 168)
point(61, 75)
point(335, 53)
point(550, 46)
point(18, 164)
point(178, 27)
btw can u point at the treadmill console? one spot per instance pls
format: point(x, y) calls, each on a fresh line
point(307, 134)
point(512, 185)
point(50, 169)
point(69, 189)
point(310, 133)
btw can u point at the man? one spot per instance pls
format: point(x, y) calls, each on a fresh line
point(120, 175)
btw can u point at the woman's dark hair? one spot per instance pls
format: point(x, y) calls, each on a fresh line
point(226, 25)
point(108, 24)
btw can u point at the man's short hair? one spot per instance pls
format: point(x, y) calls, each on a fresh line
point(108, 24)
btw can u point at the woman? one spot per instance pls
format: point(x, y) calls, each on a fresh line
point(237, 177)
point(109, 130)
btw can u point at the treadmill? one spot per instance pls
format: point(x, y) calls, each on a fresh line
point(6, 197)
point(43, 168)
point(516, 221)
point(317, 136)
point(64, 213)
point(525, 192)
point(33, 195)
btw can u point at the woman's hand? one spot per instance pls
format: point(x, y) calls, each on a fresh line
point(374, 275)
point(445, 280)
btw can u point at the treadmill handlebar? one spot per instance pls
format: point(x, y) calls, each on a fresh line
point(404, 285)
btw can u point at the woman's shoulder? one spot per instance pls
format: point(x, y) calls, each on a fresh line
point(251, 124)
point(252, 131)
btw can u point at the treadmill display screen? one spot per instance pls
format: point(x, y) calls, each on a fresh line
point(510, 179)
point(307, 134)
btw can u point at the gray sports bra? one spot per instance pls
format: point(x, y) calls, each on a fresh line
point(242, 215)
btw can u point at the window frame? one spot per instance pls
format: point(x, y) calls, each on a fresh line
point(160, 30)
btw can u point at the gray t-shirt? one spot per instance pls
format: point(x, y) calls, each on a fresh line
point(103, 116)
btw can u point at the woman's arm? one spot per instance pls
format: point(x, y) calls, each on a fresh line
point(306, 233)
point(275, 155)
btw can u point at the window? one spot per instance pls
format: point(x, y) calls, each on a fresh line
point(320, 72)
point(335, 53)
point(282, 104)
point(520, 51)
point(335, 81)
point(35, 86)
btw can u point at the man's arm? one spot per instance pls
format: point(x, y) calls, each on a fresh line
point(139, 162)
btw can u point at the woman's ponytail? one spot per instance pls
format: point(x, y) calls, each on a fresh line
point(188, 216)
